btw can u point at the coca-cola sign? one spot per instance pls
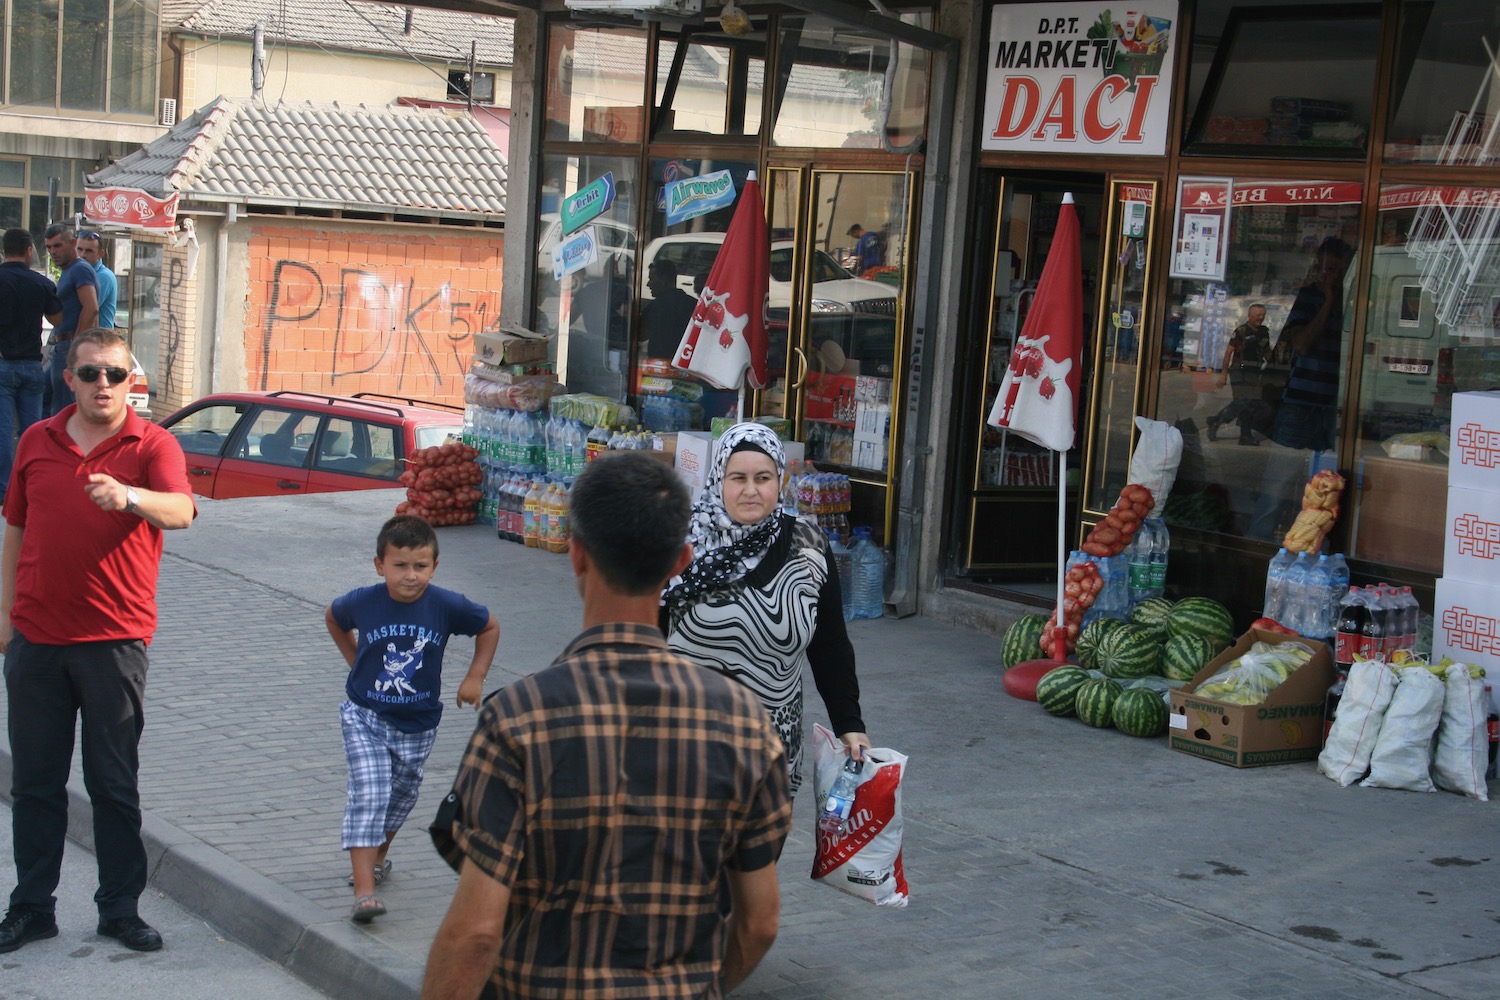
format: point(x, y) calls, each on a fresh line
point(131, 207)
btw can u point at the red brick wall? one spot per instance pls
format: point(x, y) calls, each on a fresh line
point(388, 311)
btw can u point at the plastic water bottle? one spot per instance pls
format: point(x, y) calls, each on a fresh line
point(1161, 542)
point(843, 563)
point(835, 815)
point(1338, 586)
point(1275, 601)
point(1315, 599)
point(868, 564)
point(1296, 589)
point(1138, 559)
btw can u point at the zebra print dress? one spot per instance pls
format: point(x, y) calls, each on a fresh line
point(761, 629)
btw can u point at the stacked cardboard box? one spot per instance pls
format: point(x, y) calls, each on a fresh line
point(1466, 618)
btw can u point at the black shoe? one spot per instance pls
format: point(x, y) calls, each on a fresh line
point(21, 926)
point(1213, 429)
point(133, 932)
point(1249, 439)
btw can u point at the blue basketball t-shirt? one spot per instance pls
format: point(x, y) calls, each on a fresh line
point(398, 668)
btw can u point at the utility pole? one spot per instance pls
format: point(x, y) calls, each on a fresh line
point(469, 90)
point(258, 63)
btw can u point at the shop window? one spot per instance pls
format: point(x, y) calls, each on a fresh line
point(1432, 329)
point(715, 88)
point(1284, 81)
point(585, 270)
point(595, 88)
point(842, 89)
point(111, 55)
point(1444, 87)
point(1254, 366)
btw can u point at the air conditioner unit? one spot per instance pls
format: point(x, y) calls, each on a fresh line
point(168, 113)
point(672, 8)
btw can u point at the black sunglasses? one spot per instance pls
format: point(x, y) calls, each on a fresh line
point(91, 373)
point(88, 236)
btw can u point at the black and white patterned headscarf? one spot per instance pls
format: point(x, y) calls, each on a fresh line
point(723, 549)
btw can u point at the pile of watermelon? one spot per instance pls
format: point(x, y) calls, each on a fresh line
point(1158, 638)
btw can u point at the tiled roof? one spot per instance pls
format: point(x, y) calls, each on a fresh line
point(326, 156)
point(353, 25)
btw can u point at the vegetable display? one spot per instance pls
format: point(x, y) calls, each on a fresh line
point(442, 484)
point(1081, 585)
point(1112, 535)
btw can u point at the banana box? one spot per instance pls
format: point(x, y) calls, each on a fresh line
point(1286, 727)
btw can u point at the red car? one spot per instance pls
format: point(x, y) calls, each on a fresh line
point(256, 444)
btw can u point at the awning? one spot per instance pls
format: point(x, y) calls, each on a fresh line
point(130, 207)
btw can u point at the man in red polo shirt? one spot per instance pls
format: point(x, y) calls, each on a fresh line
point(91, 492)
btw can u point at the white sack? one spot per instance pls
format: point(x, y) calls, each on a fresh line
point(1154, 463)
point(1367, 695)
point(1463, 750)
point(1403, 750)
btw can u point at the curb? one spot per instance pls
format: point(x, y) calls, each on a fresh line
point(324, 951)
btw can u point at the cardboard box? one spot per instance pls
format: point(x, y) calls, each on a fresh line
point(1286, 727)
point(1474, 451)
point(1399, 520)
point(1471, 543)
point(511, 345)
point(695, 450)
point(1466, 623)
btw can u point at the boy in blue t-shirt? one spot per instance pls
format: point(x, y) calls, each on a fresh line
point(393, 638)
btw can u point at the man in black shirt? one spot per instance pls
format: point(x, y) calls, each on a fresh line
point(666, 316)
point(25, 297)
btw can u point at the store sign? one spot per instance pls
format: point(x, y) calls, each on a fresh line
point(130, 207)
point(1079, 77)
point(575, 254)
point(695, 196)
point(592, 201)
point(1213, 193)
point(1414, 195)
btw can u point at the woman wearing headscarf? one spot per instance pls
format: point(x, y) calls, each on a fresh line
point(761, 595)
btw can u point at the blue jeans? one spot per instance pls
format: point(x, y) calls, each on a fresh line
point(21, 384)
point(61, 394)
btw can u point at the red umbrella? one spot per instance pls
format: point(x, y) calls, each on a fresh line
point(1039, 399)
point(727, 333)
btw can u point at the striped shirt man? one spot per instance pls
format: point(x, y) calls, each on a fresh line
point(615, 793)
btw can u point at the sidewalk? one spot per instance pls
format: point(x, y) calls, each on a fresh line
point(1045, 859)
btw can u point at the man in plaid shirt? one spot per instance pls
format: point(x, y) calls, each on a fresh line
point(617, 817)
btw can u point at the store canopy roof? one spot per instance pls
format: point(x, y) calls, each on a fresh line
point(390, 160)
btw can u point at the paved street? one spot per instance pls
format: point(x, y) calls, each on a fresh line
point(197, 963)
point(1045, 859)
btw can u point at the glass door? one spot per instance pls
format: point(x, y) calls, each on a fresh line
point(840, 268)
point(1011, 487)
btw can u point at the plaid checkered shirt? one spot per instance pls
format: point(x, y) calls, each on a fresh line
point(610, 792)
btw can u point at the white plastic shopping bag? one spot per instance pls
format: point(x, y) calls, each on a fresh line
point(1351, 741)
point(1463, 744)
point(864, 860)
point(1153, 464)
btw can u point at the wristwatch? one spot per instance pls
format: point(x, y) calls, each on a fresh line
point(132, 498)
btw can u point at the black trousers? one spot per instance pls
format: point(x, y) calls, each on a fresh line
point(48, 688)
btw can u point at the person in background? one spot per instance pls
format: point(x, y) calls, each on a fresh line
point(26, 296)
point(109, 288)
point(78, 292)
point(761, 597)
point(1314, 331)
point(561, 891)
point(665, 318)
point(869, 250)
point(92, 491)
point(393, 635)
point(1248, 347)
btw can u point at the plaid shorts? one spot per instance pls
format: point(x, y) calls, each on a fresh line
point(385, 774)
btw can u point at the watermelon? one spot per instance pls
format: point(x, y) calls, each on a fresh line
point(1139, 712)
point(1185, 655)
point(1095, 701)
point(1023, 640)
point(1202, 616)
point(1057, 691)
point(1151, 613)
point(1128, 651)
point(1088, 640)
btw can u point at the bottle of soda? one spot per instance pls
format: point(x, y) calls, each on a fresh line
point(1331, 701)
point(1372, 631)
point(835, 814)
point(1411, 612)
point(1351, 626)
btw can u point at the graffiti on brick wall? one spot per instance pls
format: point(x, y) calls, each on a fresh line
point(171, 325)
point(374, 320)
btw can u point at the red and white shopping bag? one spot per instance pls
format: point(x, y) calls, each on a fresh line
point(864, 860)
